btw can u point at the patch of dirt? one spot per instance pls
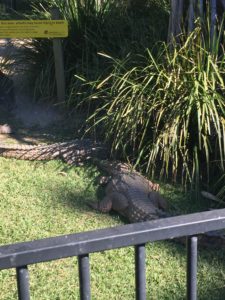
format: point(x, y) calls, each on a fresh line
point(33, 114)
point(32, 122)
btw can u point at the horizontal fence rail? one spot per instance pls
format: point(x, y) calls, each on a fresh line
point(20, 255)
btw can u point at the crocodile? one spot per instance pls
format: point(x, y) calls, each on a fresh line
point(130, 194)
point(137, 199)
point(72, 152)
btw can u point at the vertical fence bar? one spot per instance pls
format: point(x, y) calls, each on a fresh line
point(140, 273)
point(192, 251)
point(84, 277)
point(22, 276)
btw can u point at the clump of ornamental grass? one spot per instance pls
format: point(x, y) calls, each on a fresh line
point(167, 112)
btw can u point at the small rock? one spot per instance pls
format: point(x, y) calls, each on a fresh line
point(5, 129)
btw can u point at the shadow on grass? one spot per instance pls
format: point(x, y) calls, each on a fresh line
point(211, 268)
point(75, 192)
point(208, 287)
point(209, 260)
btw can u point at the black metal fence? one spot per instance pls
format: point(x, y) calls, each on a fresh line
point(21, 255)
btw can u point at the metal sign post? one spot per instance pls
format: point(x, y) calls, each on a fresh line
point(59, 62)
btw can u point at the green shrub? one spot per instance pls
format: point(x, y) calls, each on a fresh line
point(167, 110)
point(94, 26)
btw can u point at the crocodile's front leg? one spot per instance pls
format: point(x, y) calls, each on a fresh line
point(113, 200)
point(158, 200)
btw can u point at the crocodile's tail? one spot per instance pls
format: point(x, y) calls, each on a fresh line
point(73, 152)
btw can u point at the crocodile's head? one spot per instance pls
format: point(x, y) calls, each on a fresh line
point(114, 167)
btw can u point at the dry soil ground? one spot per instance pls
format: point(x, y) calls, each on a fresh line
point(32, 122)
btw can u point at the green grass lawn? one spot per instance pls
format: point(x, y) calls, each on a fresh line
point(37, 201)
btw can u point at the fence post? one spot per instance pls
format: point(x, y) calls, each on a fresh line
point(23, 283)
point(140, 272)
point(192, 251)
point(84, 277)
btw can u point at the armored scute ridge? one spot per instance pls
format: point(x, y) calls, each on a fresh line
point(130, 194)
point(72, 152)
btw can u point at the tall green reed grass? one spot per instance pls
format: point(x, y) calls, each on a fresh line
point(167, 110)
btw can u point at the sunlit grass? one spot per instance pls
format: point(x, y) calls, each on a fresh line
point(37, 201)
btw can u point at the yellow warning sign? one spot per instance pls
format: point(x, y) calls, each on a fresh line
point(33, 29)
